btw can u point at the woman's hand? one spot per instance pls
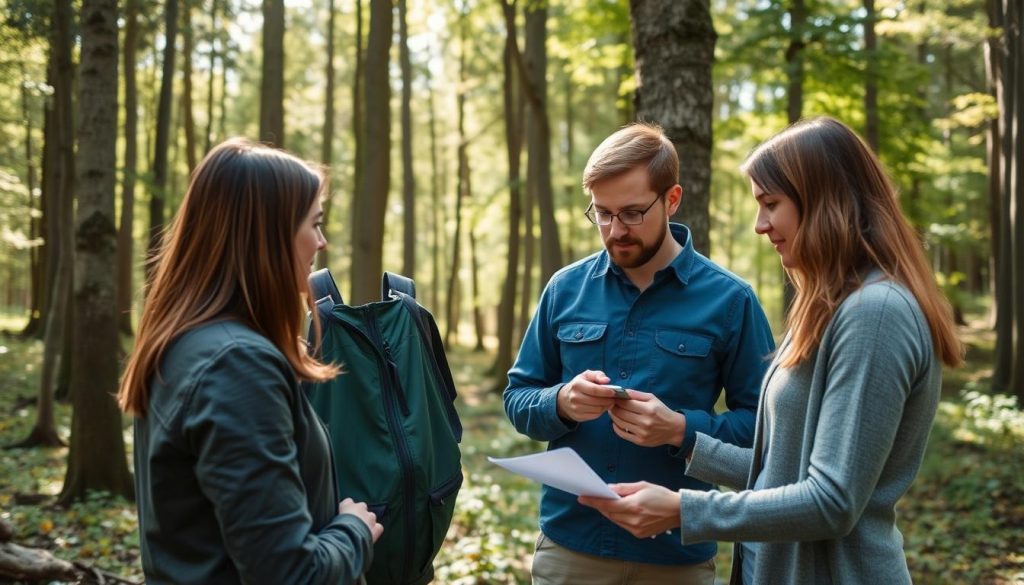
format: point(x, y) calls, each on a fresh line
point(645, 509)
point(359, 510)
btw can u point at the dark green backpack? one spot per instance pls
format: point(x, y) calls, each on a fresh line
point(391, 416)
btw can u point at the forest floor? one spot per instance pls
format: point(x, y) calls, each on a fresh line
point(962, 519)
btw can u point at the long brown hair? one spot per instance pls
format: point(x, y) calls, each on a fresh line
point(229, 254)
point(850, 220)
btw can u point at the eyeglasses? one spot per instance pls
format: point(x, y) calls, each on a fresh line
point(626, 217)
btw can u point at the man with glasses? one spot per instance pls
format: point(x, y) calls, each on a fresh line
point(654, 316)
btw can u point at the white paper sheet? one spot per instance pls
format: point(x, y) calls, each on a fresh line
point(559, 468)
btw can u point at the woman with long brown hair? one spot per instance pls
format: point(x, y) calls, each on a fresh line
point(233, 472)
point(849, 399)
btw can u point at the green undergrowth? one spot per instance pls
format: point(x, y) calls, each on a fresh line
point(961, 519)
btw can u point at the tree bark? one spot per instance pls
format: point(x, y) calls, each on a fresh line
point(370, 204)
point(993, 75)
point(214, 40)
point(408, 175)
point(1014, 25)
point(96, 459)
point(674, 41)
point(163, 132)
point(436, 207)
point(1004, 349)
point(187, 119)
point(272, 79)
point(513, 149)
point(794, 106)
point(125, 239)
point(58, 194)
point(462, 192)
point(478, 316)
point(870, 76)
point(327, 141)
point(538, 136)
point(36, 275)
point(358, 109)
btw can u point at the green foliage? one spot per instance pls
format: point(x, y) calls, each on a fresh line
point(960, 519)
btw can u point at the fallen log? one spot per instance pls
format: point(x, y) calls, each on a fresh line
point(33, 564)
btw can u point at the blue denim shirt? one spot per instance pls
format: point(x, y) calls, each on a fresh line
point(695, 330)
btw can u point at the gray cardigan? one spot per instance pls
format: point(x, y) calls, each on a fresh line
point(846, 433)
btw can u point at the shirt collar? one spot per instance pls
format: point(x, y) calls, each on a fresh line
point(681, 265)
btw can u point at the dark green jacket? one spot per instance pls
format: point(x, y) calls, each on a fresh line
point(233, 471)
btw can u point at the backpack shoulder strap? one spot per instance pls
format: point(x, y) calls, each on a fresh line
point(396, 282)
point(432, 342)
point(322, 285)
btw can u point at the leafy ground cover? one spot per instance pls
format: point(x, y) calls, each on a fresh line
point(962, 519)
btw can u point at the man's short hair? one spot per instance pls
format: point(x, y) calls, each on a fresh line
point(639, 143)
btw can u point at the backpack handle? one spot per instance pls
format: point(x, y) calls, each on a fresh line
point(396, 282)
point(322, 285)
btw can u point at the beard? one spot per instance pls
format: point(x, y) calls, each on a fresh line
point(638, 254)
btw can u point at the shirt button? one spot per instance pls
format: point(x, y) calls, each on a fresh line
point(682, 347)
point(629, 333)
point(579, 335)
point(611, 467)
point(623, 374)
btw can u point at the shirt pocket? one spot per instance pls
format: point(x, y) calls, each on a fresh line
point(682, 343)
point(581, 346)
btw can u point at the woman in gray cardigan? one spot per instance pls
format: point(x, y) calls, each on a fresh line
point(848, 401)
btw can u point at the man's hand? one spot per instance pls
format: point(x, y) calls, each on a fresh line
point(645, 509)
point(359, 510)
point(583, 398)
point(646, 421)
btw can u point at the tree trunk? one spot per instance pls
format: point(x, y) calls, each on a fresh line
point(163, 132)
point(33, 328)
point(272, 79)
point(478, 316)
point(526, 298)
point(125, 239)
point(871, 76)
point(794, 106)
point(58, 193)
point(538, 136)
point(358, 110)
point(436, 207)
point(96, 459)
point(513, 149)
point(674, 41)
point(1006, 94)
point(993, 71)
point(188, 36)
point(370, 204)
point(451, 312)
point(214, 41)
point(408, 176)
point(327, 141)
point(1014, 27)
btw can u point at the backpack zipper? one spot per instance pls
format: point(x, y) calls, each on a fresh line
point(391, 407)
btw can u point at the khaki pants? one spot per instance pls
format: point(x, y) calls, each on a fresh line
point(557, 565)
